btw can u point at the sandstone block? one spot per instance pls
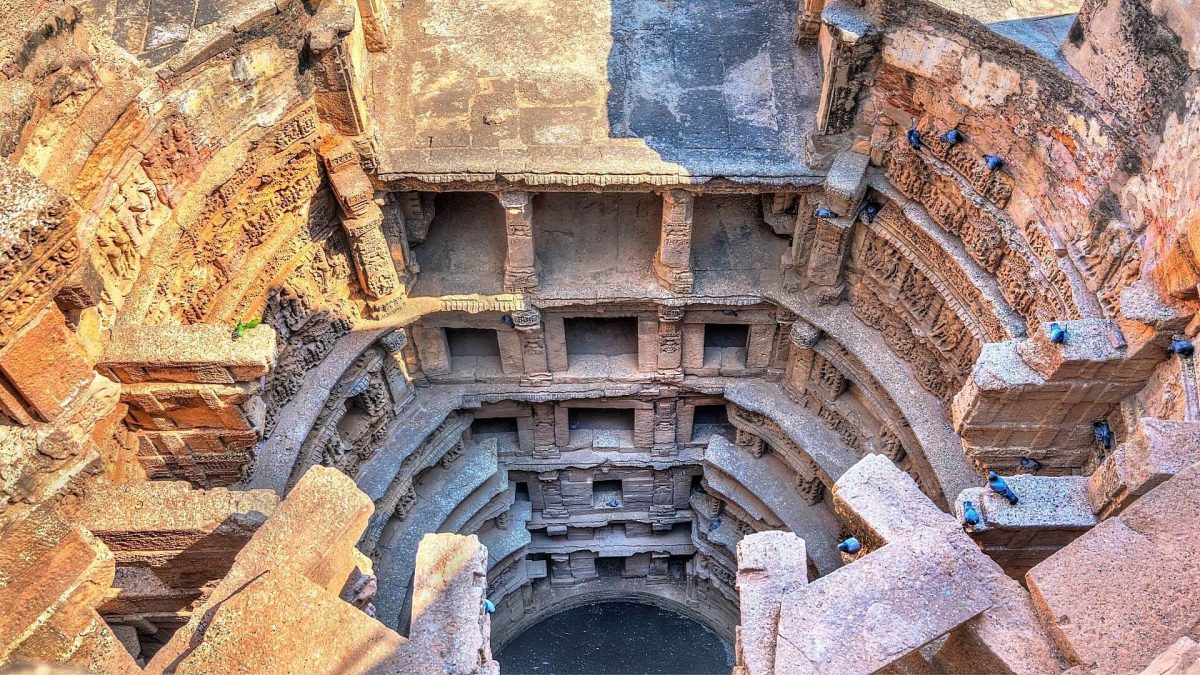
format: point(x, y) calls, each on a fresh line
point(196, 353)
point(1155, 451)
point(875, 611)
point(1123, 592)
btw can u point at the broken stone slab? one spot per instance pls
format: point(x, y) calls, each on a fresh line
point(1050, 509)
point(1181, 658)
point(52, 575)
point(448, 617)
point(1122, 593)
point(881, 504)
point(1155, 450)
point(279, 621)
point(1091, 348)
point(770, 565)
point(879, 609)
point(845, 184)
point(196, 353)
point(312, 532)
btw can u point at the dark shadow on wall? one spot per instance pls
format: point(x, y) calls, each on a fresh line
point(717, 87)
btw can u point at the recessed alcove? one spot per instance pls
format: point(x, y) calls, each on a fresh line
point(601, 346)
point(710, 420)
point(732, 245)
point(596, 245)
point(601, 428)
point(465, 248)
point(725, 345)
point(474, 352)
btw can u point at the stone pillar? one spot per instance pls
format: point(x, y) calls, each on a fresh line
point(808, 21)
point(394, 368)
point(528, 323)
point(373, 15)
point(520, 261)
point(664, 428)
point(784, 320)
point(804, 337)
point(362, 219)
point(552, 498)
point(663, 496)
point(644, 428)
point(544, 445)
point(670, 343)
point(395, 230)
point(673, 259)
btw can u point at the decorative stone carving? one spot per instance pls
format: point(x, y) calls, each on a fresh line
point(673, 259)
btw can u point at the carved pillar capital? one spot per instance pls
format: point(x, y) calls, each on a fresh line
point(805, 335)
point(527, 319)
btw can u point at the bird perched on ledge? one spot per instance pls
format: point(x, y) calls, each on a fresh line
point(489, 606)
point(1103, 433)
point(992, 162)
point(1058, 334)
point(826, 213)
point(850, 546)
point(953, 137)
point(1182, 347)
point(914, 138)
point(870, 211)
point(1000, 486)
point(1029, 464)
point(971, 514)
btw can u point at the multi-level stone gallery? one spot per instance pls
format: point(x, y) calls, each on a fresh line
point(376, 336)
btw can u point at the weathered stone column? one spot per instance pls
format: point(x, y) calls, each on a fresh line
point(395, 369)
point(664, 428)
point(670, 343)
point(362, 219)
point(673, 259)
point(544, 445)
point(808, 21)
point(528, 323)
point(520, 261)
point(804, 338)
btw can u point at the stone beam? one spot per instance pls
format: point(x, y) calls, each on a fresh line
point(1119, 595)
point(882, 504)
point(520, 259)
point(673, 259)
point(447, 613)
point(770, 565)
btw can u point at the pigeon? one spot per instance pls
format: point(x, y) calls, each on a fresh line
point(870, 211)
point(1030, 464)
point(1058, 334)
point(1182, 347)
point(507, 320)
point(713, 524)
point(953, 137)
point(613, 502)
point(914, 138)
point(1000, 487)
point(826, 213)
point(489, 606)
point(850, 546)
point(970, 514)
point(1104, 434)
point(992, 162)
